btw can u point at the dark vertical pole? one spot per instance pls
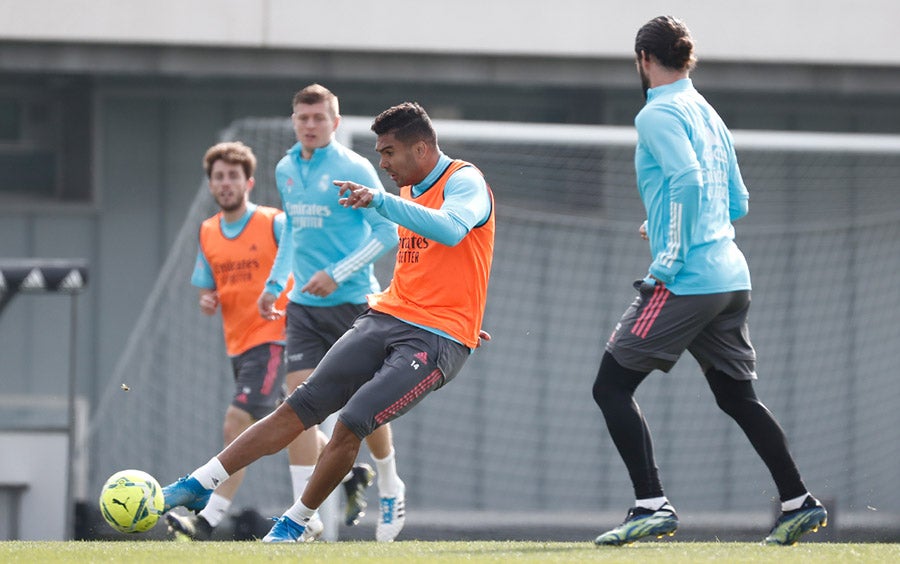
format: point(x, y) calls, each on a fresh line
point(5, 296)
point(70, 485)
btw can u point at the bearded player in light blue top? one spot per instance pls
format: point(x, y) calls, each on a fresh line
point(331, 256)
point(696, 295)
point(691, 186)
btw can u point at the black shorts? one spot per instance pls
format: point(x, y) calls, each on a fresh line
point(311, 331)
point(659, 325)
point(379, 370)
point(258, 379)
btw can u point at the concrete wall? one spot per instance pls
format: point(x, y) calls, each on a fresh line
point(33, 487)
point(828, 31)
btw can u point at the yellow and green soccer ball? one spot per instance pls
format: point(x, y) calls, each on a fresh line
point(131, 501)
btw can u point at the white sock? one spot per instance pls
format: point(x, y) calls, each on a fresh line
point(299, 513)
point(216, 509)
point(299, 478)
point(211, 474)
point(793, 504)
point(389, 484)
point(653, 503)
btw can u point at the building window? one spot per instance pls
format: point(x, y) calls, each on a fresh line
point(45, 141)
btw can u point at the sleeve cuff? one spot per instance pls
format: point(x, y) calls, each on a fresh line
point(274, 288)
point(664, 277)
point(329, 270)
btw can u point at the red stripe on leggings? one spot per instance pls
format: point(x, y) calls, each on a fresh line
point(651, 312)
point(271, 369)
point(408, 397)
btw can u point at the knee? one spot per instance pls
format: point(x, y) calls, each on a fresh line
point(615, 384)
point(355, 424)
point(236, 422)
point(380, 441)
point(606, 390)
point(727, 404)
point(601, 391)
point(731, 395)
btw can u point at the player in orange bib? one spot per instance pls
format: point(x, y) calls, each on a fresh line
point(331, 255)
point(237, 249)
point(415, 337)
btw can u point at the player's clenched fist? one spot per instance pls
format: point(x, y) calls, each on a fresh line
point(209, 301)
point(266, 306)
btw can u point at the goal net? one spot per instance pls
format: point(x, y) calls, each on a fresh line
point(518, 429)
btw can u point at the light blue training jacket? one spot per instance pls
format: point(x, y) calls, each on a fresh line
point(321, 234)
point(689, 180)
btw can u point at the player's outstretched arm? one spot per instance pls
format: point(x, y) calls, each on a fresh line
point(447, 225)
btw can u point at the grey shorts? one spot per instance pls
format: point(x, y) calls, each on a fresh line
point(311, 331)
point(258, 379)
point(659, 325)
point(380, 369)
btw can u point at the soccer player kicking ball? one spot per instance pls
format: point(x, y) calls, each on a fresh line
point(415, 337)
point(696, 295)
point(331, 255)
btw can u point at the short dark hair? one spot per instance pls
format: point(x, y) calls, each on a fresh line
point(408, 122)
point(669, 40)
point(315, 93)
point(232, 152)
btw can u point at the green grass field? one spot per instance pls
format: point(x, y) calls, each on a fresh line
point(154, 552)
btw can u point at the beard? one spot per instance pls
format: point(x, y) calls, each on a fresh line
point(225, 206)
point(645, 82)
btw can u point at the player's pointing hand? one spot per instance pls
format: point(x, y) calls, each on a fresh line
point(354, 195)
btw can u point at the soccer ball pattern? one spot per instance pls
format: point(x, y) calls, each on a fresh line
point(131, 501)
